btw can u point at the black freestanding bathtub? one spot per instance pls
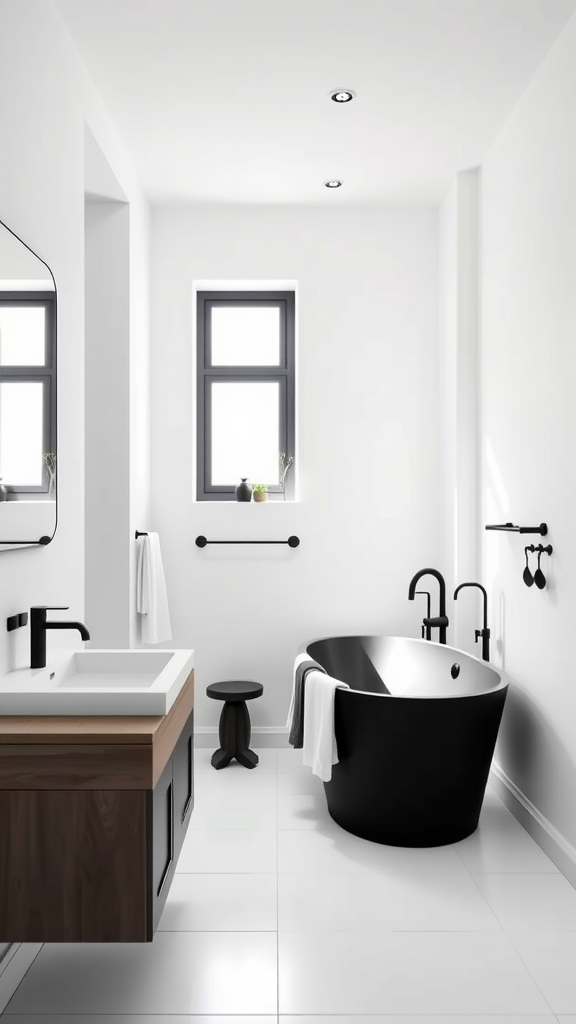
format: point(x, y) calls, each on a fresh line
point(416, 735)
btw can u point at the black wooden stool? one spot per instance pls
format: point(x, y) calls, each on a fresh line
point(234, 730)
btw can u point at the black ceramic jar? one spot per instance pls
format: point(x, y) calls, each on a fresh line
point(244, 490)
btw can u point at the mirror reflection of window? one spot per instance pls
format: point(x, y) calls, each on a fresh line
point(28, 454)
point(27, 387)
point(21, 433)
point(22, 335)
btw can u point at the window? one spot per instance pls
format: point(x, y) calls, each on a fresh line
point(27, 390)
point(245, 395)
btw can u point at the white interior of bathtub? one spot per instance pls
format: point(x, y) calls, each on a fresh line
point(418, 668)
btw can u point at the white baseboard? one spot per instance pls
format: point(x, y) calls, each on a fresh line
point(554, 844)
point(206, 736)
point(15, 964)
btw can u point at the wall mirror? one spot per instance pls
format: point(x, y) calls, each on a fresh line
point(28, 452)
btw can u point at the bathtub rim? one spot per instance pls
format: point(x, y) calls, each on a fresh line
point(501, 685)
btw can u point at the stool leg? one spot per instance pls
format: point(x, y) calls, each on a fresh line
point(220, 759)
point(244, 755)
point(227, 735)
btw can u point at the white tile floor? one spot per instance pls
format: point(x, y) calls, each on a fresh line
point(278, 915)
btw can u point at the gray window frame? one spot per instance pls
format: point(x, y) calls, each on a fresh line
point(44, 374)
point(206, 375)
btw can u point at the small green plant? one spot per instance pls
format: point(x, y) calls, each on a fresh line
point(286, 461)
point(259, 488)
point(49, 460)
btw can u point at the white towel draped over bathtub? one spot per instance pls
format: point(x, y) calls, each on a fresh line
point(295, 721)
point(320, 750)
point(151, 596)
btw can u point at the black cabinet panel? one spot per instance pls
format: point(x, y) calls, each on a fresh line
point(169, 811)
point(183, 771)
point(162, 843)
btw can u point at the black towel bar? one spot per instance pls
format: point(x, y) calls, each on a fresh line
point(141, 533)
point(292, 542)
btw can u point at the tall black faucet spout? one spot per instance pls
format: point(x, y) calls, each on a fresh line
point(442, 622)
point(484, 633)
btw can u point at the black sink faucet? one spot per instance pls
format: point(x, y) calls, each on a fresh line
point(483, 633)
point(38, 627)
point(441, 620)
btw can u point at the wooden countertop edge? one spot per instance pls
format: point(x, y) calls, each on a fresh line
point(109, 729)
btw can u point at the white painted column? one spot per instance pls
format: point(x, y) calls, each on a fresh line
point(459, 397)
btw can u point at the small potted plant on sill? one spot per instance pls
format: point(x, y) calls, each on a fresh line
point(259, 492)
point(286, 462)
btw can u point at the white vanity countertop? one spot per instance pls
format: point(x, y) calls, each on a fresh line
point(98, 682)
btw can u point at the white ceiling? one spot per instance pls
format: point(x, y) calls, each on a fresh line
point(227, 100)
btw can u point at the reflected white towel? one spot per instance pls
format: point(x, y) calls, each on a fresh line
point(320, 749)
point(151, 596)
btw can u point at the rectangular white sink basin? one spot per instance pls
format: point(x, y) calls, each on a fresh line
point(96, 682)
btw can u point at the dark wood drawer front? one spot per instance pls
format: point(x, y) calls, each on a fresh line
point(72, 866)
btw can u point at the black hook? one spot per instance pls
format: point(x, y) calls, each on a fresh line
point(544, 550)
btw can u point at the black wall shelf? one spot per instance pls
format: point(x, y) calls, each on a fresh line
point(510, 528)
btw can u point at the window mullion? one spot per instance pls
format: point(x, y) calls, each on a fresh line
point(243, 372)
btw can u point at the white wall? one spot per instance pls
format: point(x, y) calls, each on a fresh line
point(528, 226)
point(48, 99)
point(20, 266)
point(368, 459)
point(107, 447)
point(458, 309)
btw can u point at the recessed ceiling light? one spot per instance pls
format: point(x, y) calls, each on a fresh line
point(342, 95)
point(333, 183)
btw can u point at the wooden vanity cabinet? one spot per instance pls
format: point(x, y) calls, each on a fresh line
point(93, 815)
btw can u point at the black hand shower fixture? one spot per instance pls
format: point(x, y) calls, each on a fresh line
point(426, 630)
point(539, 577)
point(484, 633)
point(527, 575)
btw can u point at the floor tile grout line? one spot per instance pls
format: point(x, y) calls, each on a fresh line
point(22, 980)
point(277, 905)
point(510, 940)
point(266, 1016)
point(348, 931)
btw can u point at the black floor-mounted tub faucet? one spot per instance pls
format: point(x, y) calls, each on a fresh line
point(441, 620)
point(484, 633)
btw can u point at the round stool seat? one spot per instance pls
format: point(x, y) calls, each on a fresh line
point(233, 691)
point(234, 728)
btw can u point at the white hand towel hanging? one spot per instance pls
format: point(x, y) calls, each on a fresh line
point(320, 750)
point(151, 596)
